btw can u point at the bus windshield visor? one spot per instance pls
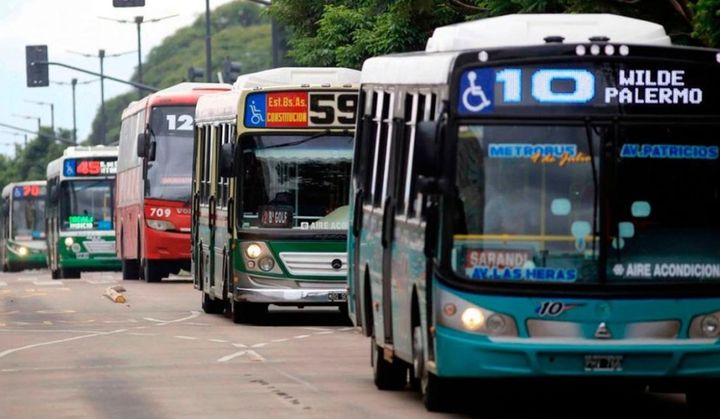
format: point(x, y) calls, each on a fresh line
point(28, 218)
point(87, 205)
point(169, 175)
point(526, 204)
point(296, 181)
point(664, 224)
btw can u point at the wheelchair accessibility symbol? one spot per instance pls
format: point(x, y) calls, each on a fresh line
point(476, 91)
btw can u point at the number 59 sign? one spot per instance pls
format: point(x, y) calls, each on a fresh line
point(300, 109)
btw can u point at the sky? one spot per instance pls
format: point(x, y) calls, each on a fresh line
point(69, 27)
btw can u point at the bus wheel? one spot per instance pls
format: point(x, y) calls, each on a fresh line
point(211, 305)
point(130, 269)
point(68, 273)
point(702, 403)
point(387, 375)
point(152, 271)
point(418, 366)
point(55, 274)
point(247, 312)
point(433, 392)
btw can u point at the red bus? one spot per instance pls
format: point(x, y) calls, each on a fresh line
point(154, 174)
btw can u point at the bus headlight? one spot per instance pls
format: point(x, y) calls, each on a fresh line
point(253, 251)
point(160, 225)
point(69, 241)
point(705, 326)
point(266, 264)
point(457, 313)
point(23, 251)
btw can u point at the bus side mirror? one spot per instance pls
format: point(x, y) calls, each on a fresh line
point(426, 149)
point(142, 143)
point(227, 160)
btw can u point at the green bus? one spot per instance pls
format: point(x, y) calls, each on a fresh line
point(22, 229)
point(270, 191)
point(80, 210)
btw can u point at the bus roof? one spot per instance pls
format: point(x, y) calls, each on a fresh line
point(7, 190)
point(531, 29)
point(297, 76)
point(181, 93)
point(433, 65)
point(216, 108)
point(55, 166)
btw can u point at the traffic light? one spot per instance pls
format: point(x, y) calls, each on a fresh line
point(231, 70)
point(128, 3)
point(36, 62)
point(195, 73)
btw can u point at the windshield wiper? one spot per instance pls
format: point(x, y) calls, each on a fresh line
point(304, 140)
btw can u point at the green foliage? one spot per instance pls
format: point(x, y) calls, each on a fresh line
point(30, 162)
point(240, 32)
point(346, 32)
point(706, 24)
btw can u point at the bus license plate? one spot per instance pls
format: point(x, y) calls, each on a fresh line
point(337, 297)
point(603, 363)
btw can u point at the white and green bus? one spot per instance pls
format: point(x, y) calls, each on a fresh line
point(536, 197)
point(79, 211)
point(270, 190)
point(22, 228)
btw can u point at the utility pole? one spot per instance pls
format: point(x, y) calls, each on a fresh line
point(73, 84)
point(208, 44)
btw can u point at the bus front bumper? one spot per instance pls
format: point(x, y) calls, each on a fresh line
point(252, 289)
point(464, 355)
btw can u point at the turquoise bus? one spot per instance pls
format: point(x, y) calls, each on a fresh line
point(537, 196)
point(22, 229)
point(79, 211)
point(270, 188)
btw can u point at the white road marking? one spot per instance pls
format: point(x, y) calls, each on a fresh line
point(120, 321)
point(55, 311)
point(55, 342)
point(239, 345)
point(258, 345)
point(3, 284)
point(27, 279)
point(193, 315)
point(100, 281)
point(320, 329)
point(280, 340)
point(325, 333)
point(186, 337)
point(301, 336)
point(141, 334)
point(47, 283)
point(7, 313)
point(218, 340)
point(250, 353)
point(345, 329)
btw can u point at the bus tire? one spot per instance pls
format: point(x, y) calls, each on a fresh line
point(433, 392)
point(55, 274)
point(68, 273)
point(211, 305)
point(387, 375)
point(247, 312)
point(152, 271)
point(130, 269)
point(418, 357)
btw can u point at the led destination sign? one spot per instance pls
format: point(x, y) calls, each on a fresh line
point(89, 167)
point(300, 109)
point(652, 87)
point(28, 191)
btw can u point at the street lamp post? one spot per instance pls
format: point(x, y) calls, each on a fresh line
point(138, 21)
point(101, 55)
point(29, 117)
point(73, 84)
point(52, 111)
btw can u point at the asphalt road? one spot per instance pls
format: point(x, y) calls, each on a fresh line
point(67, 351)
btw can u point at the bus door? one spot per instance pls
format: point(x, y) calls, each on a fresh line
point(214, 141)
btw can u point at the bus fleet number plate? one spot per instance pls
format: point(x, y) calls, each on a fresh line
point(337, 297)
point(603, 363)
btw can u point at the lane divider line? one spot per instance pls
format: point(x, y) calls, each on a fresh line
point(187, 337)
point(55, 342)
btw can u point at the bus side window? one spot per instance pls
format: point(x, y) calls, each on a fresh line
point(366, 148)
point(406, 153)
point(381, 116)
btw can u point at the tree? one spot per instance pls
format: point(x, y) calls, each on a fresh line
point(346, 32)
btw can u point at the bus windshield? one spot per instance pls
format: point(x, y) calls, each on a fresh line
point(525, 208)
point(296, 181)
point(665, 205)
point(87, 204)
point(28, 218)
point(169, 174)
